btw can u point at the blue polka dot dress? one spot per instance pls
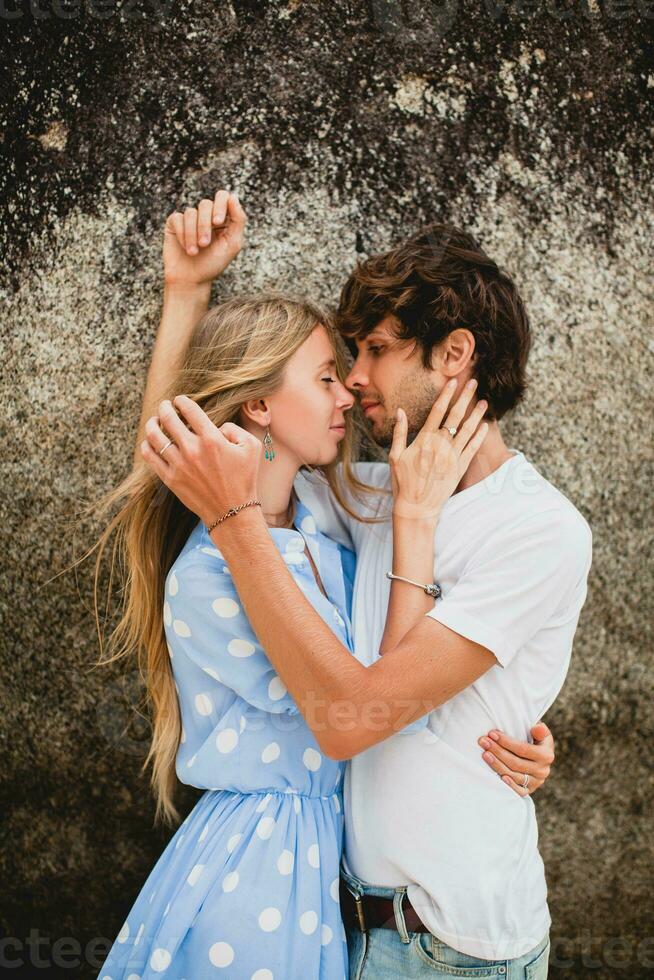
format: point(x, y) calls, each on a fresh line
point(247, 888)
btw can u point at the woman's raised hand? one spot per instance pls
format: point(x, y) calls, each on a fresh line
point(426, 473)
point(199, 243)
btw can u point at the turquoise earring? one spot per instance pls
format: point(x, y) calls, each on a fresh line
point(268, 445)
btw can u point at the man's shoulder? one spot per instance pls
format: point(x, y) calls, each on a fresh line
point(532, 504)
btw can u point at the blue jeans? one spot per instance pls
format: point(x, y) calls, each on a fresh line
point(381, 954)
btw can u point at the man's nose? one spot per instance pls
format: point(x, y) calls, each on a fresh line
point(357, 378)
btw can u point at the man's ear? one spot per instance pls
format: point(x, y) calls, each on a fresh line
point(457, 351)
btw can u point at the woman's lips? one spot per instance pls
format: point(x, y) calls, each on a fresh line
point(339, 429)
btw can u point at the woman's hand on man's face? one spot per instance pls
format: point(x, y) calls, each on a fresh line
point(426, 473)
point(199, 243)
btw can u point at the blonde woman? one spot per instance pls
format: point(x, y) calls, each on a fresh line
point(248, 887)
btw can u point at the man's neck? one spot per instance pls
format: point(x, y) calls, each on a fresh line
point(492, 454)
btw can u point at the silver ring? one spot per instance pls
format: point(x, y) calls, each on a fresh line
point(163, 450)
point(525, 781)
point(450, 428)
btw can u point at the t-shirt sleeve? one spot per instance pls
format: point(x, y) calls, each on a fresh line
point(518, 581)
point(331, 518)
point(204, 621)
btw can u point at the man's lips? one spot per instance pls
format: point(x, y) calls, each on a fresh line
point(368, 406)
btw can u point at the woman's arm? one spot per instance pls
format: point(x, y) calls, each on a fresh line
point(413, 557)
point(198, 246)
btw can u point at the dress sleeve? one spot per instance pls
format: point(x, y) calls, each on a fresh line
point(204, 621)
point(520, 581)
point(331, 519)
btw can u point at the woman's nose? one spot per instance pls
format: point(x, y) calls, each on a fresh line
point(345, 398)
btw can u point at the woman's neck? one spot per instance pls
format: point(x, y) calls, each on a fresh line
point(275, 491)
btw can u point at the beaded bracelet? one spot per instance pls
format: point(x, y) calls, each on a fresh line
point(232, 511)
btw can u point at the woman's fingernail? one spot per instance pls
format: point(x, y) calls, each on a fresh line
point(486, 742)
point(489, 757)
point(472, 383)
point(204, 240)
point(495, 735)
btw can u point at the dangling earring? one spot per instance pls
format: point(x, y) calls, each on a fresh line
point(268, 445)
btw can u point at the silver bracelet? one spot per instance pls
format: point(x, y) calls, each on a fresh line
point(433, 590)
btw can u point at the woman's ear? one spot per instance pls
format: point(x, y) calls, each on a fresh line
point(256, 410)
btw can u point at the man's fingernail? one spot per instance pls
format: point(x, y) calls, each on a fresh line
point(472, 383)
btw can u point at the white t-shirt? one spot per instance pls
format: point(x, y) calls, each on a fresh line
point(512, 556)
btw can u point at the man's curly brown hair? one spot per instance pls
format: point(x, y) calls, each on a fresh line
point(434, 282)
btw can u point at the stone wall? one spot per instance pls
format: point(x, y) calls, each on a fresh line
point(343, 126)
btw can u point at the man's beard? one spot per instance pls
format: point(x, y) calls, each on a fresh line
point(416, 396)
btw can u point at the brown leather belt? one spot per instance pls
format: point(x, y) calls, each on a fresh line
point(373, 912)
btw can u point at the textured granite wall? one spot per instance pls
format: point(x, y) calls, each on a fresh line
point(343, 126)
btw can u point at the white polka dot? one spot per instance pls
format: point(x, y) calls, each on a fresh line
point(313, 856)
point(212, 551)
point(194, 874)
point(221, 954)
point(139, 934)
point(230, 881)
point(181, 628)
point(232, 842)
point(334, 888)
point(265, 827)
point(241, 648)
point(295, 544)
point(134, 976)
point(337, 804)
point(271, 752)
point(160, 960)
point(170, 651)
point(203, 704)
point(260, 807)
point(123, 935)
point(297, 806)
point(227, 740)
point(294, 558)
point(173, 584)
point(276, 689)
point(226, 571)
point(262, 975)
point(308, 525)
point(242, 723)
point(312, 759)
point(308, 923)
point(225, 608)
point(167, 614)
point(270, 919)
point(326, 935)
point(183, 736)
point(205, 830)
point(285, 863)
point(212, 673)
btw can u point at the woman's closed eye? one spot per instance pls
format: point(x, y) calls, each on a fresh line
point(331, 380)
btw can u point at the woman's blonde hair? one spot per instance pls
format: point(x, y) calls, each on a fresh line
point(238, 351)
